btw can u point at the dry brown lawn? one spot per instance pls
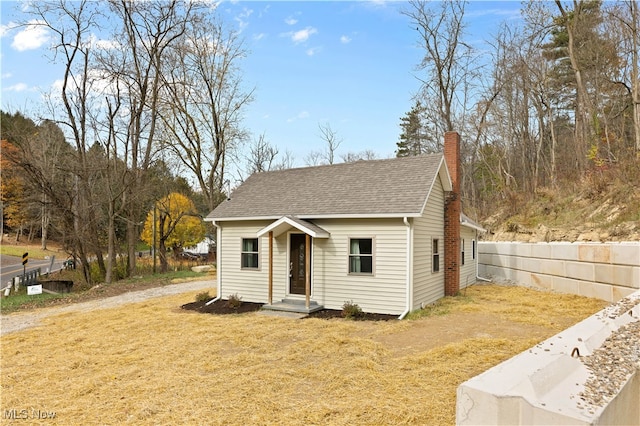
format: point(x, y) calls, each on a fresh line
point(153, 363)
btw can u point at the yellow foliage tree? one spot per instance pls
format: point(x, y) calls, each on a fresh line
point(177, 225)
point(12, 192)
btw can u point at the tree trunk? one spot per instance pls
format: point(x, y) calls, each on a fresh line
point(635, 77)
point(554, 143)
point(111, 248)
point(583, 110)
point(46, 219)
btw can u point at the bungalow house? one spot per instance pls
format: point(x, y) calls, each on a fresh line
point(388, 235)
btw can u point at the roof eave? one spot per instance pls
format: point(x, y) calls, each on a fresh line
point(317, 216)
point(472, 225)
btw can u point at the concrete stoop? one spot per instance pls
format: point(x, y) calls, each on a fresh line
point(293, 305)
point(588, 374)
point(282, 314)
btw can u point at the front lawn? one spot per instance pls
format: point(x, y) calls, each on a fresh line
point(154, 363)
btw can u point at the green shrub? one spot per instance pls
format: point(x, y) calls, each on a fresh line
point(234, 301)
point(203, 297)
point(351, 310)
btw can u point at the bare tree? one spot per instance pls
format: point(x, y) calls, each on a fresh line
point(286, 161)
point(146, 32)
point(314, 158)
point(626, 22)
point(573, 20)
point(262, 156)
point(446, 59)
point(204, 102)
point(332, 142)
point(366, 155)
point(72, 23)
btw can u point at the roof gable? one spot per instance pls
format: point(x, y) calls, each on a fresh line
point(287, 222)
point(391, 187)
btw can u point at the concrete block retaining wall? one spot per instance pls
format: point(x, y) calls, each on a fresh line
point(608, 271)
point(588, 374)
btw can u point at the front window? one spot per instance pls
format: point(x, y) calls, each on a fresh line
point(361, 256)
point(249, 253)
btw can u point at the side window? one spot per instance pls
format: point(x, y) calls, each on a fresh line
point(462, 250)
point(436, 255)
point(361, 256)
point(249, 253)
point(473, 249)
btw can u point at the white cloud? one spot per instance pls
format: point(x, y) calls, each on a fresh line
point(242, 18)
point(303, 35)
point(312, 51)
point(33, 36)
point(290, 21)
point(345, 39)
point(56, 86)
point(378, 3)
point(94, 41)
point(259, 36)
point(7, 75)
point(301, 116)
point(19, 87)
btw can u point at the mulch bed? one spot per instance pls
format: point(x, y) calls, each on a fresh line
point(220, 307)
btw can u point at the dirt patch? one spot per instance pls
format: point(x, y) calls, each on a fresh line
point(428, 333)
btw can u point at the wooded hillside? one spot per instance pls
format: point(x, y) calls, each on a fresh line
point(549, 115)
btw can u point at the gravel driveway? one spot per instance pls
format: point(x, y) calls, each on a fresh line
point(22, 320)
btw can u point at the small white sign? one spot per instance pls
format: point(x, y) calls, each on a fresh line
point(34, 289)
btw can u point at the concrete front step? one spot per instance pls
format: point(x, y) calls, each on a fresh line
point(282, 314)
point(293, 305)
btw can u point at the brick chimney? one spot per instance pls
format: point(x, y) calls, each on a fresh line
point(452, 210)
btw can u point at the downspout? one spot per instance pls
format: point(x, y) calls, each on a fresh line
point(409, 281)
point(218, 269)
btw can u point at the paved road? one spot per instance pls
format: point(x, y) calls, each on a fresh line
point(21, 320)
point(10, 266)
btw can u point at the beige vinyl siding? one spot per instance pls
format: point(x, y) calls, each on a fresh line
point(250, 284)
point(384, 291)
point(428, 286)
point(468, 270)
point(280, 268)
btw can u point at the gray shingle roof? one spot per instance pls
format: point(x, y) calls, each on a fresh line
point(397, 186)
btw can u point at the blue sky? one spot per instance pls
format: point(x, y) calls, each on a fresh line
point(349, 64)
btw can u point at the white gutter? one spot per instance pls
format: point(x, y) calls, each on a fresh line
point(218, 269)
point(409, 280)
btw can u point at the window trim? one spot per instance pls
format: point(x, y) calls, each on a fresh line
point(242, 253)
point(372, 255)
point(435, 255)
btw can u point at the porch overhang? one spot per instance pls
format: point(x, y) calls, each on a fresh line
point(287, 222)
